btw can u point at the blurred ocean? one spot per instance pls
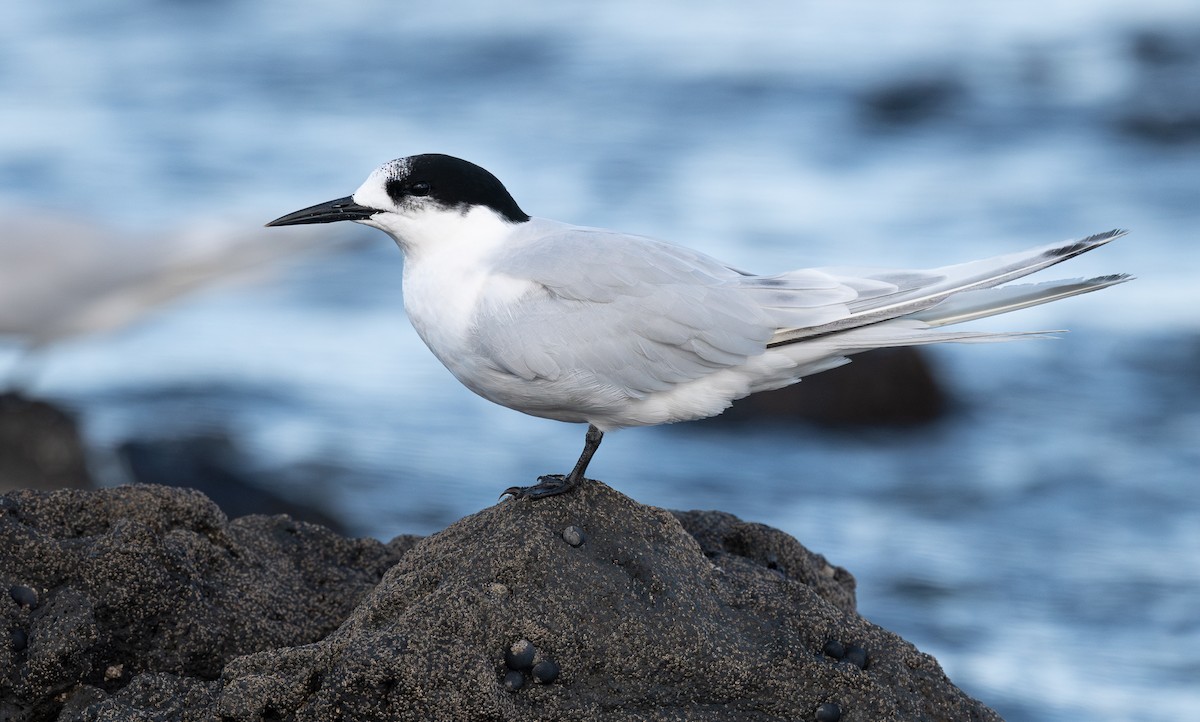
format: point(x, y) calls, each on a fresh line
point(1043, 542)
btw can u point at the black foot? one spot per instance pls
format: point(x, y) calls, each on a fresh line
point(549, 485)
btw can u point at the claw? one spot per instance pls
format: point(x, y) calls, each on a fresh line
point(555, 484)
point(549, 485)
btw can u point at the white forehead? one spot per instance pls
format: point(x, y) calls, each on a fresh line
point(373, 192)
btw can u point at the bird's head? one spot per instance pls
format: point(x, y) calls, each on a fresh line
point(421, 199)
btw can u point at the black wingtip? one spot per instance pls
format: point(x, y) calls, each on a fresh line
point(1105, 237)
point(1112, 279)
point(1074, 248)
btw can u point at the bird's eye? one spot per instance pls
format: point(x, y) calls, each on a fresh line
point(420, 188)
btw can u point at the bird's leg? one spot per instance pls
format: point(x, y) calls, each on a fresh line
point(591, 442)
point(554, 484)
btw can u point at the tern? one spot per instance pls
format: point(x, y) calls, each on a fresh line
point(615, 330)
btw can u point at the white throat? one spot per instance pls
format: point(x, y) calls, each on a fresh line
point(436, 232)
point(448, 272)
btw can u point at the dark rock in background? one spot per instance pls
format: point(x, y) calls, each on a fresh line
point(914, 100)
point(40, 446)
point(214, 466)
point(151, 605)
point(1163, 102)
point(885, 387)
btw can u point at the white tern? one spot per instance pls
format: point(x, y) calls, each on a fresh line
point(616, 330)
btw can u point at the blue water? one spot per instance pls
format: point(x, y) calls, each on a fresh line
point(1043, 541)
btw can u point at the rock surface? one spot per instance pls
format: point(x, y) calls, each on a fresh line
point(144, 579)
point(150, 605)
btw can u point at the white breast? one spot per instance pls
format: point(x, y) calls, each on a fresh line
point(447, 280)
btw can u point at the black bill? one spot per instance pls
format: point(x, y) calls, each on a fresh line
point(342, 209)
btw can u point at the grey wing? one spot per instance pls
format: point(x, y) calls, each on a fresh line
point(621, 314)
point(618, 313)
point(640, 315)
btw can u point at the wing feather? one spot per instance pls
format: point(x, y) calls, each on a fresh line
point(634, 313)
point(942, 283)
point(625, 317)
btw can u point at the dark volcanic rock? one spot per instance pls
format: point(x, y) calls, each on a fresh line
point(750, 549)
point(151, 579)
point(695, 615)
